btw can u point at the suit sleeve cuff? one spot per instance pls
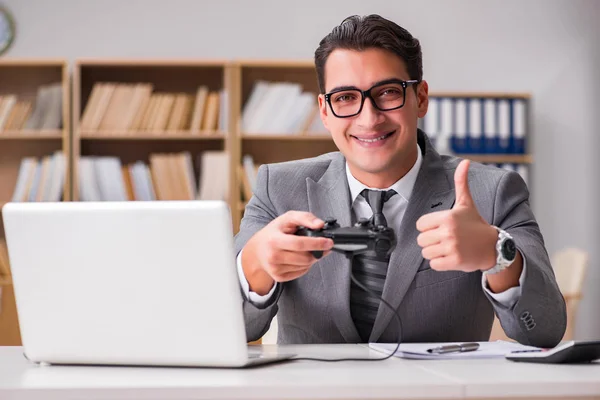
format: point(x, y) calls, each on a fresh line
point(510, 296)
point(252, 297)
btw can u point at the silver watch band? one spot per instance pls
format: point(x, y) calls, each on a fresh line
point(501, 262)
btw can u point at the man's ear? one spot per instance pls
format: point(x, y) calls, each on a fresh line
point(323, 110)
point(422, 98)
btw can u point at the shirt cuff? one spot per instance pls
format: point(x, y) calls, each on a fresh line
point(253, 297)
point(509, 297)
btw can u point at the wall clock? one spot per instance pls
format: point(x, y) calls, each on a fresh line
point(7, 29)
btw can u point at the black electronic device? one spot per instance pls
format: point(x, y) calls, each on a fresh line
point(360, 238)
point(565, 353)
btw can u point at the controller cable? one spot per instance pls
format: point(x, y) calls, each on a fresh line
point(350, 256)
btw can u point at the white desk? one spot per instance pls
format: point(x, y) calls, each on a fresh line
point(391, 379)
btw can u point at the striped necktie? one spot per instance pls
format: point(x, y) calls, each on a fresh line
point(370, 270)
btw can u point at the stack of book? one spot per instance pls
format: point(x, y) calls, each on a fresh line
point(247, 177)
point(4, 264)
point(167, 176)
point(281, 108)
point(41, 179)
point(136, 107)
point(43, 114)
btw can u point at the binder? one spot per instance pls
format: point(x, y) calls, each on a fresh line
point(519, 126)
point(477, 125)
point(475, 130)
point(460, 143)
point(490, 126)
point(504, 131)
point(445, 139)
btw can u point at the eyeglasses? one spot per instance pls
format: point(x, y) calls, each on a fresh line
point(385, 96)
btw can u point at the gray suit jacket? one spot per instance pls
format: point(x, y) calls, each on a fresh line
point(433, 306)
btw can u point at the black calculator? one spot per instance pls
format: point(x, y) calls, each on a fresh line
point(568, 352)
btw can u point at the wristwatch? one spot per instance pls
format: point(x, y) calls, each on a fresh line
point(506, 252)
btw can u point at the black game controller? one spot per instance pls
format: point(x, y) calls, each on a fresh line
point(360, 238)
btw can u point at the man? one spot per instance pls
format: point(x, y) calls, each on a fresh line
point(455, 222)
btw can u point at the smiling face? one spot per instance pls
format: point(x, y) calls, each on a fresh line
point(380, 146)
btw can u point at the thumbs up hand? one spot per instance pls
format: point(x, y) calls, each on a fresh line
point(458, 239)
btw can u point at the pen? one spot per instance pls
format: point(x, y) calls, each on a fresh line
point(454, 348)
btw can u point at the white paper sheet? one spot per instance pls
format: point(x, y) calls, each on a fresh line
point(497, 349)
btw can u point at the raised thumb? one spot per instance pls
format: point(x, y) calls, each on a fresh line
point(461, 185)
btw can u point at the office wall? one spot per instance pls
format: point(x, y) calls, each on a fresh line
point(546, 47)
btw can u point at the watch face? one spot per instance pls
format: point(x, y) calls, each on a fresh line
point(509, 250)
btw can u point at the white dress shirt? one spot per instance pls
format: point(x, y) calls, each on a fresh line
point(393, 210)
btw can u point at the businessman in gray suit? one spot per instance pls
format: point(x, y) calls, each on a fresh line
point(468, 244)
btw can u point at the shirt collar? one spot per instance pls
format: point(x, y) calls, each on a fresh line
point(403, 186)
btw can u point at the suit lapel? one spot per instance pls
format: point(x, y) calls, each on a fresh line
point(431, 188)
point(330, 198)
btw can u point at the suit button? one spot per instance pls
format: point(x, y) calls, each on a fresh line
point(530, 325)
point(528, 320)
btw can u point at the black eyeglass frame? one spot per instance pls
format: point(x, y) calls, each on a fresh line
point(367, 93)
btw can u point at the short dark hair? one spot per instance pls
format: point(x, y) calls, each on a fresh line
point(370, 31)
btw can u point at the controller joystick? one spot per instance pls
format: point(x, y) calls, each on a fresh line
point(330, 223)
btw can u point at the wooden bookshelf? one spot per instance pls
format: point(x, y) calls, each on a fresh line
point(137, 141)
point(24, 79)
point(276, 146)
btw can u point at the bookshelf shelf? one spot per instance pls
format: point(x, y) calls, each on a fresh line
point(153, 62)
point(288, 137)
point(31, 134)
point(150, 135)
point(482, 95)
point(35, 131)
point(499, 158)
point(306, 65)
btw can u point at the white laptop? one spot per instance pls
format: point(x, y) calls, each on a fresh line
point(128, 283)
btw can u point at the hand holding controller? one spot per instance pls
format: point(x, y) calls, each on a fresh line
point(361, 237)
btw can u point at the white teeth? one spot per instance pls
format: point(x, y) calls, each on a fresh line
point(373, 140)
